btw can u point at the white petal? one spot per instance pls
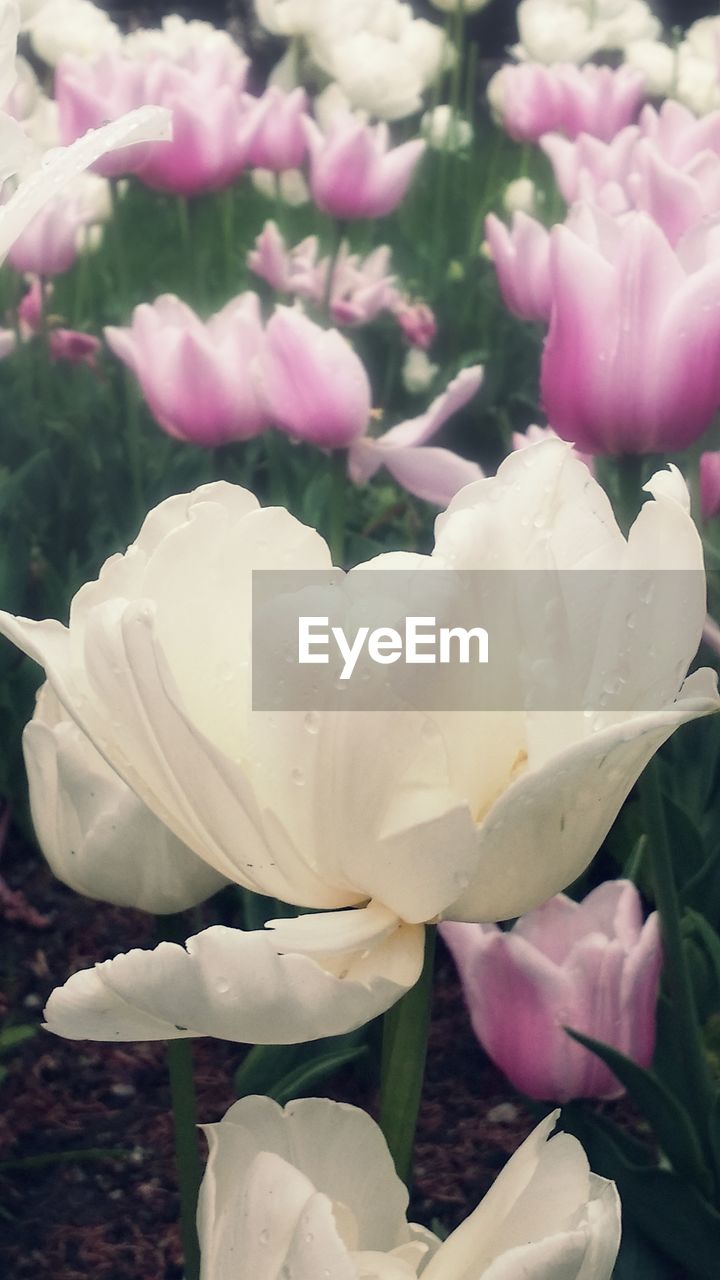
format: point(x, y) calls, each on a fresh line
point(337, 1148)
point(546, 827)
point(240, 986)
point(62, 165)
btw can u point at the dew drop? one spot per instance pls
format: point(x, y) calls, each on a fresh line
point(312, 722)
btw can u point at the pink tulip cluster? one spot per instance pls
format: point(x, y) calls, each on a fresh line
point(360, 289)
point(231, 378)
point(219, 130)
point(668, 165)
point(592, 966)
point(532, 99)
point(206, 152)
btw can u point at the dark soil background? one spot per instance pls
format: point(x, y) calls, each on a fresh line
point(114, 1218)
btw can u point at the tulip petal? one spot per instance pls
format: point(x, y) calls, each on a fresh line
point(435, 475)
point(531, 1215)
point(60, 166)
point(315, 1137)
point(556, 817)
point(244, 987)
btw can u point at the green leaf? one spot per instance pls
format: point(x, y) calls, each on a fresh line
point(287, 1071)
point(12, 1037)
point(669, 1212)
point(667, 1117)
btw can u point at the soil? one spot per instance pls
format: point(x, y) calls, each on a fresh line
point(113, 1217)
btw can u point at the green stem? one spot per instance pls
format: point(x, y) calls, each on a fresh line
point(332, 264)
point(628, 481)
point(117, 243)
point(699, 1094)
point(134, 445)
point(405, 1034)
point(338, 503)
point(187, 1151)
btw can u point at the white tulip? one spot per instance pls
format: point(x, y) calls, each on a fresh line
point(656, 62)
point(404, 816)
point(179, 38)
point(444, 130)
point(291, 17)
point(76, 27)
point(418, 371)
point(385, 65)
point(575, 30)
point(452, 6)
point(521, 196)
point(311, 1191)
point(290, 186)
point(96, 835)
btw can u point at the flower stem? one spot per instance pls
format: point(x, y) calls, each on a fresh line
point(628, 481)
point(338, 498)
point(699, 1093)
point(117, 243)
point(405, 1034)
point(187, 1151)
point(332, 264)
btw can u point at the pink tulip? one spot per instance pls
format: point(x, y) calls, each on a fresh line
point(73, 347)
point(50, 243)
point(361, 287)
point(534, 434)
point(207, 106)
point(195, 376)
point(533, 99)
point(668, 166)
point(433, 474)
point(521, 257)
point(360, 290)
point(631, 362)
point(353, 173)
point(591, 966)
point(710, 485)
point(30, 308)
point(88, 94)
point(312, 383)
point(286, 270)
point(417, 323)
point(273, 131)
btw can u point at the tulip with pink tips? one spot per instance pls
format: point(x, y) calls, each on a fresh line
point(354, 172)
point(316, 389)
point(196, 376)
point(592, 966)
point(532, 99)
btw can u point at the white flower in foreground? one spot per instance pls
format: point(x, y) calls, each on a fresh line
point(96, 835)
point(379, 821)
point(311, 1191)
